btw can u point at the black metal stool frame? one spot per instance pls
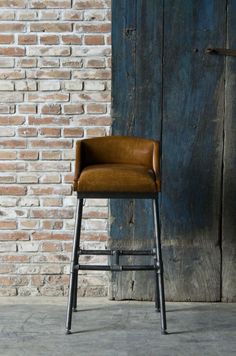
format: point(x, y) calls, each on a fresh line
point(156, 253)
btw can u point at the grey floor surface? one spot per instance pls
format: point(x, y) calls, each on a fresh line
point(35, 326)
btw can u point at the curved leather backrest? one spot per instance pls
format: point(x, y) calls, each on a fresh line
point(119, 149)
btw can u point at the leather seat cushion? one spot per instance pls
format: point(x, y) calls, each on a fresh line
point(117, 178)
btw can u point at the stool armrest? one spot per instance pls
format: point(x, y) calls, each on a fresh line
point(156, 162)
point(78, 163)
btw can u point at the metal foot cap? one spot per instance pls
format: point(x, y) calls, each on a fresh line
point(68, 332)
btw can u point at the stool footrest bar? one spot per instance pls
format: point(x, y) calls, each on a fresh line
point(120, 252)
point(116, 268)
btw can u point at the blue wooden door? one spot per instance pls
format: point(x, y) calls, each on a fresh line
point(165, 86)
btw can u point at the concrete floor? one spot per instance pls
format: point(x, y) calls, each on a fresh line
point(35, 326)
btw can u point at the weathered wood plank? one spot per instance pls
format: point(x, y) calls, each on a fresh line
point(192, 148)
point(229, 179)
point(136, 110)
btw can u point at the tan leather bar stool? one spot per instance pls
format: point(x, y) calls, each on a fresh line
point(117, 167)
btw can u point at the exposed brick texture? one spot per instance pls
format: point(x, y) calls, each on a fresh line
point(55, 72)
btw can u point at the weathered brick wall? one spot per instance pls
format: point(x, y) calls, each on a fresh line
point(54, 88)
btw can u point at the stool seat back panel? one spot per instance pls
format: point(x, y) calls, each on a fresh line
point(125, 162)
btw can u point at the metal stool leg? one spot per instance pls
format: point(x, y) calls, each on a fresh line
point(160, 270)
point(74, 260)
point(74, 307)
point(157, 293)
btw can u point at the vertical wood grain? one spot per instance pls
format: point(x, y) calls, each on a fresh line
point(229, 178)
point(192, 146)
point(136, 110)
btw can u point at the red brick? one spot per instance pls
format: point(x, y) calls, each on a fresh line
point(73, 132)
point(27, 39)
point(51, 247)
point(95, 15)
point(51, 155)
point(28, 224)
point(52, 224)
point(13, 143)
point(68, 178)
point(45, 62)
point(96, 131)
point(50, 190)
point(72, 15)
point(12, 190)
point(6, 39)
point(12, 166)
point(94, 236)
point(93, 73)
point(51, 144)
point(27, 131)
point(50, 27)
point(94, 40)
point(7, 15)
point(13, 236)
point(95, 108)
point(50, 132)
point(7, 109)
point(51, 109)
point(50, 4)
point(72, 62)
point(37, 280)
point(12, 27)
point(12, 74)
point(73, 109)
point(49, 166)
point(50, 120)
point(49, 74)
point(7, 179)
point(94, 63)
point(9, 98)
point(28, 15)
point(89, 27)
point(27, 62)
point(13, 3)
point(51, 236)
point(7, 268)
point(41, 97)
point(15, 258)
point(71, 39)
point(88, 96)
point(49, 39)
point(14, 281)
point(46, 15)
point(48, 51)
point(7, 224)
point(94, 121)
point(8, 155)
point(27, 109)
point(12, 120)
point(12, 51)
point(52, 201)
point(28, 155)
point(93, 4)
point(54, 213)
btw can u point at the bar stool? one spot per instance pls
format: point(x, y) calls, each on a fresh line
point(117, 167)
